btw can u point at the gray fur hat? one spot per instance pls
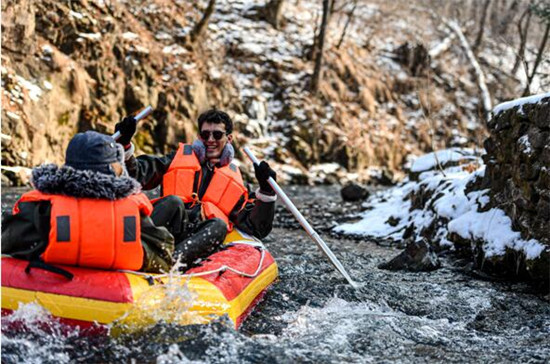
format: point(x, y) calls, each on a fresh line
point(93, 151)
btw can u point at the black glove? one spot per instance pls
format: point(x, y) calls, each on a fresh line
point(263, 172)
point(127, 128)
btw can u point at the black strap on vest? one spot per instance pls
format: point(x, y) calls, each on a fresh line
point(49, 268)
point(235, 210)
point(196, 181)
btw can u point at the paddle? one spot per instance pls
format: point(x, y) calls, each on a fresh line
point(141, 115)
point(301, 219)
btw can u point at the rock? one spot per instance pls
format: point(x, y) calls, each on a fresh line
point(16, 176)
point(354, 192)
point(417, 257)
point(517, 157)
point(385, 178)
point(416, 57)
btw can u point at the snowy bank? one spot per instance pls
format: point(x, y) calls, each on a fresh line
point(439, 205)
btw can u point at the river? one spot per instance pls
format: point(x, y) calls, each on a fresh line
point(310, 315)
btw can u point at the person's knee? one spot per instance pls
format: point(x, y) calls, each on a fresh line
point(218, 227)
point(171, 202)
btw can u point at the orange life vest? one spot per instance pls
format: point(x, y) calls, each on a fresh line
point(95, 233)
point(224, 195)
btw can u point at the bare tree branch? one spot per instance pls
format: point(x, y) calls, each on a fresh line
point(199, 27)
point(320, 48)
point(350, 17)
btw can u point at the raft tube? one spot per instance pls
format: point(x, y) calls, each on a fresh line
point(229, 282)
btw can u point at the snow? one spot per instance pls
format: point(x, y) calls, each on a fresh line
point(494, 227)
point(90, 36)
point(449, 202)
point(429, 161)
point(34, 91)
point(325, 168)
point(130, 36)
point(174, 49)
point(47, 50)
point(524, 145)
point(47, 85)
point(519, 102)
point(76, 15)
point(13, 115)
point(163, 36)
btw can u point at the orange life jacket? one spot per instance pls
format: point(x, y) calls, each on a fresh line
point(95, 233)
point(224, 195)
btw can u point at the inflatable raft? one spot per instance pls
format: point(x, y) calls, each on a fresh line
point(230, 282)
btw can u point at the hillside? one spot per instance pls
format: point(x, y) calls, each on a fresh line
point(398, 85)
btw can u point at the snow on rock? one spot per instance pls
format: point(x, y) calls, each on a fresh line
point(445, 201)
point(519, 102)
point(494, 228)
point(444, 157)
point(34, 90)
point(130, 36)
point(90, 36)
point(174, 49)
point(524, 145)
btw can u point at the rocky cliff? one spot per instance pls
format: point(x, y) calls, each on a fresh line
point(518, 175)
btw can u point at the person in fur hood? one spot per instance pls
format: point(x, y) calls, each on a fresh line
point(94, 169)
point(253, 214)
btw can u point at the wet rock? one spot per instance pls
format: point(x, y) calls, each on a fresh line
point(354, 192)
point(417, 257)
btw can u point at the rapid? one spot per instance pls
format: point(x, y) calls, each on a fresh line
point(311, 315)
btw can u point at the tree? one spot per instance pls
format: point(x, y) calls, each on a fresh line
point(319, 50)
point(508, 18)
point(199, 27)
point(350, 17)
point(481, 29)
point(543, 12)
point(523, 28)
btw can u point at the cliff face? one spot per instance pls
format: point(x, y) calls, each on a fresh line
point(79, 65)
point(69, 69)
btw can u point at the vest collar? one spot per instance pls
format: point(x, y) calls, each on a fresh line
point(52, 179)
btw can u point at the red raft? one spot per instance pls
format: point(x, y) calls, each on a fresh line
point(230, 282)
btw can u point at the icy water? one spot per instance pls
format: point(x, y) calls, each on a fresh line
point(311, 315)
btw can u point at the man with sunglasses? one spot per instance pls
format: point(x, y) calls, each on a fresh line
point(200, 187)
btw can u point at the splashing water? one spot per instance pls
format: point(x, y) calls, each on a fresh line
point(311, 314)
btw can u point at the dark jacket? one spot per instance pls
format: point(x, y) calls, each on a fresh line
point(256, 218)
point(25, 235)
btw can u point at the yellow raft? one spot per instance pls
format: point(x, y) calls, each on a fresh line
point(229, 282)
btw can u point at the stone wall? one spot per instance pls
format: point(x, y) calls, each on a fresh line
point(518, 167)
point(518, 174)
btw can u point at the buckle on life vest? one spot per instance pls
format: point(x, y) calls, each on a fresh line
point(195, 199)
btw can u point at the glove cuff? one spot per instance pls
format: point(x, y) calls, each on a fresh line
point(129, 152)
point(265, 197)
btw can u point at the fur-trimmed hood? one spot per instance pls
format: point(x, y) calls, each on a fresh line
point(65, 180)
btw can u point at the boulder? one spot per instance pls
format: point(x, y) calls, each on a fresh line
point(354, 192)
point(418, 256)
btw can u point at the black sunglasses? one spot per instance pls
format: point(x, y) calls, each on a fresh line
point(205, 134)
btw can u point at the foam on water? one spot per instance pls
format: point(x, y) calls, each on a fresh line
point(312, 315)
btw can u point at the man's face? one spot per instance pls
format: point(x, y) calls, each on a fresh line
point(214, 147)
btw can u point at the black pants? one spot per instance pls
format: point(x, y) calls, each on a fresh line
point(194, 239)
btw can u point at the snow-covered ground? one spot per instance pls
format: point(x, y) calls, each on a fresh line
point(458, 211)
